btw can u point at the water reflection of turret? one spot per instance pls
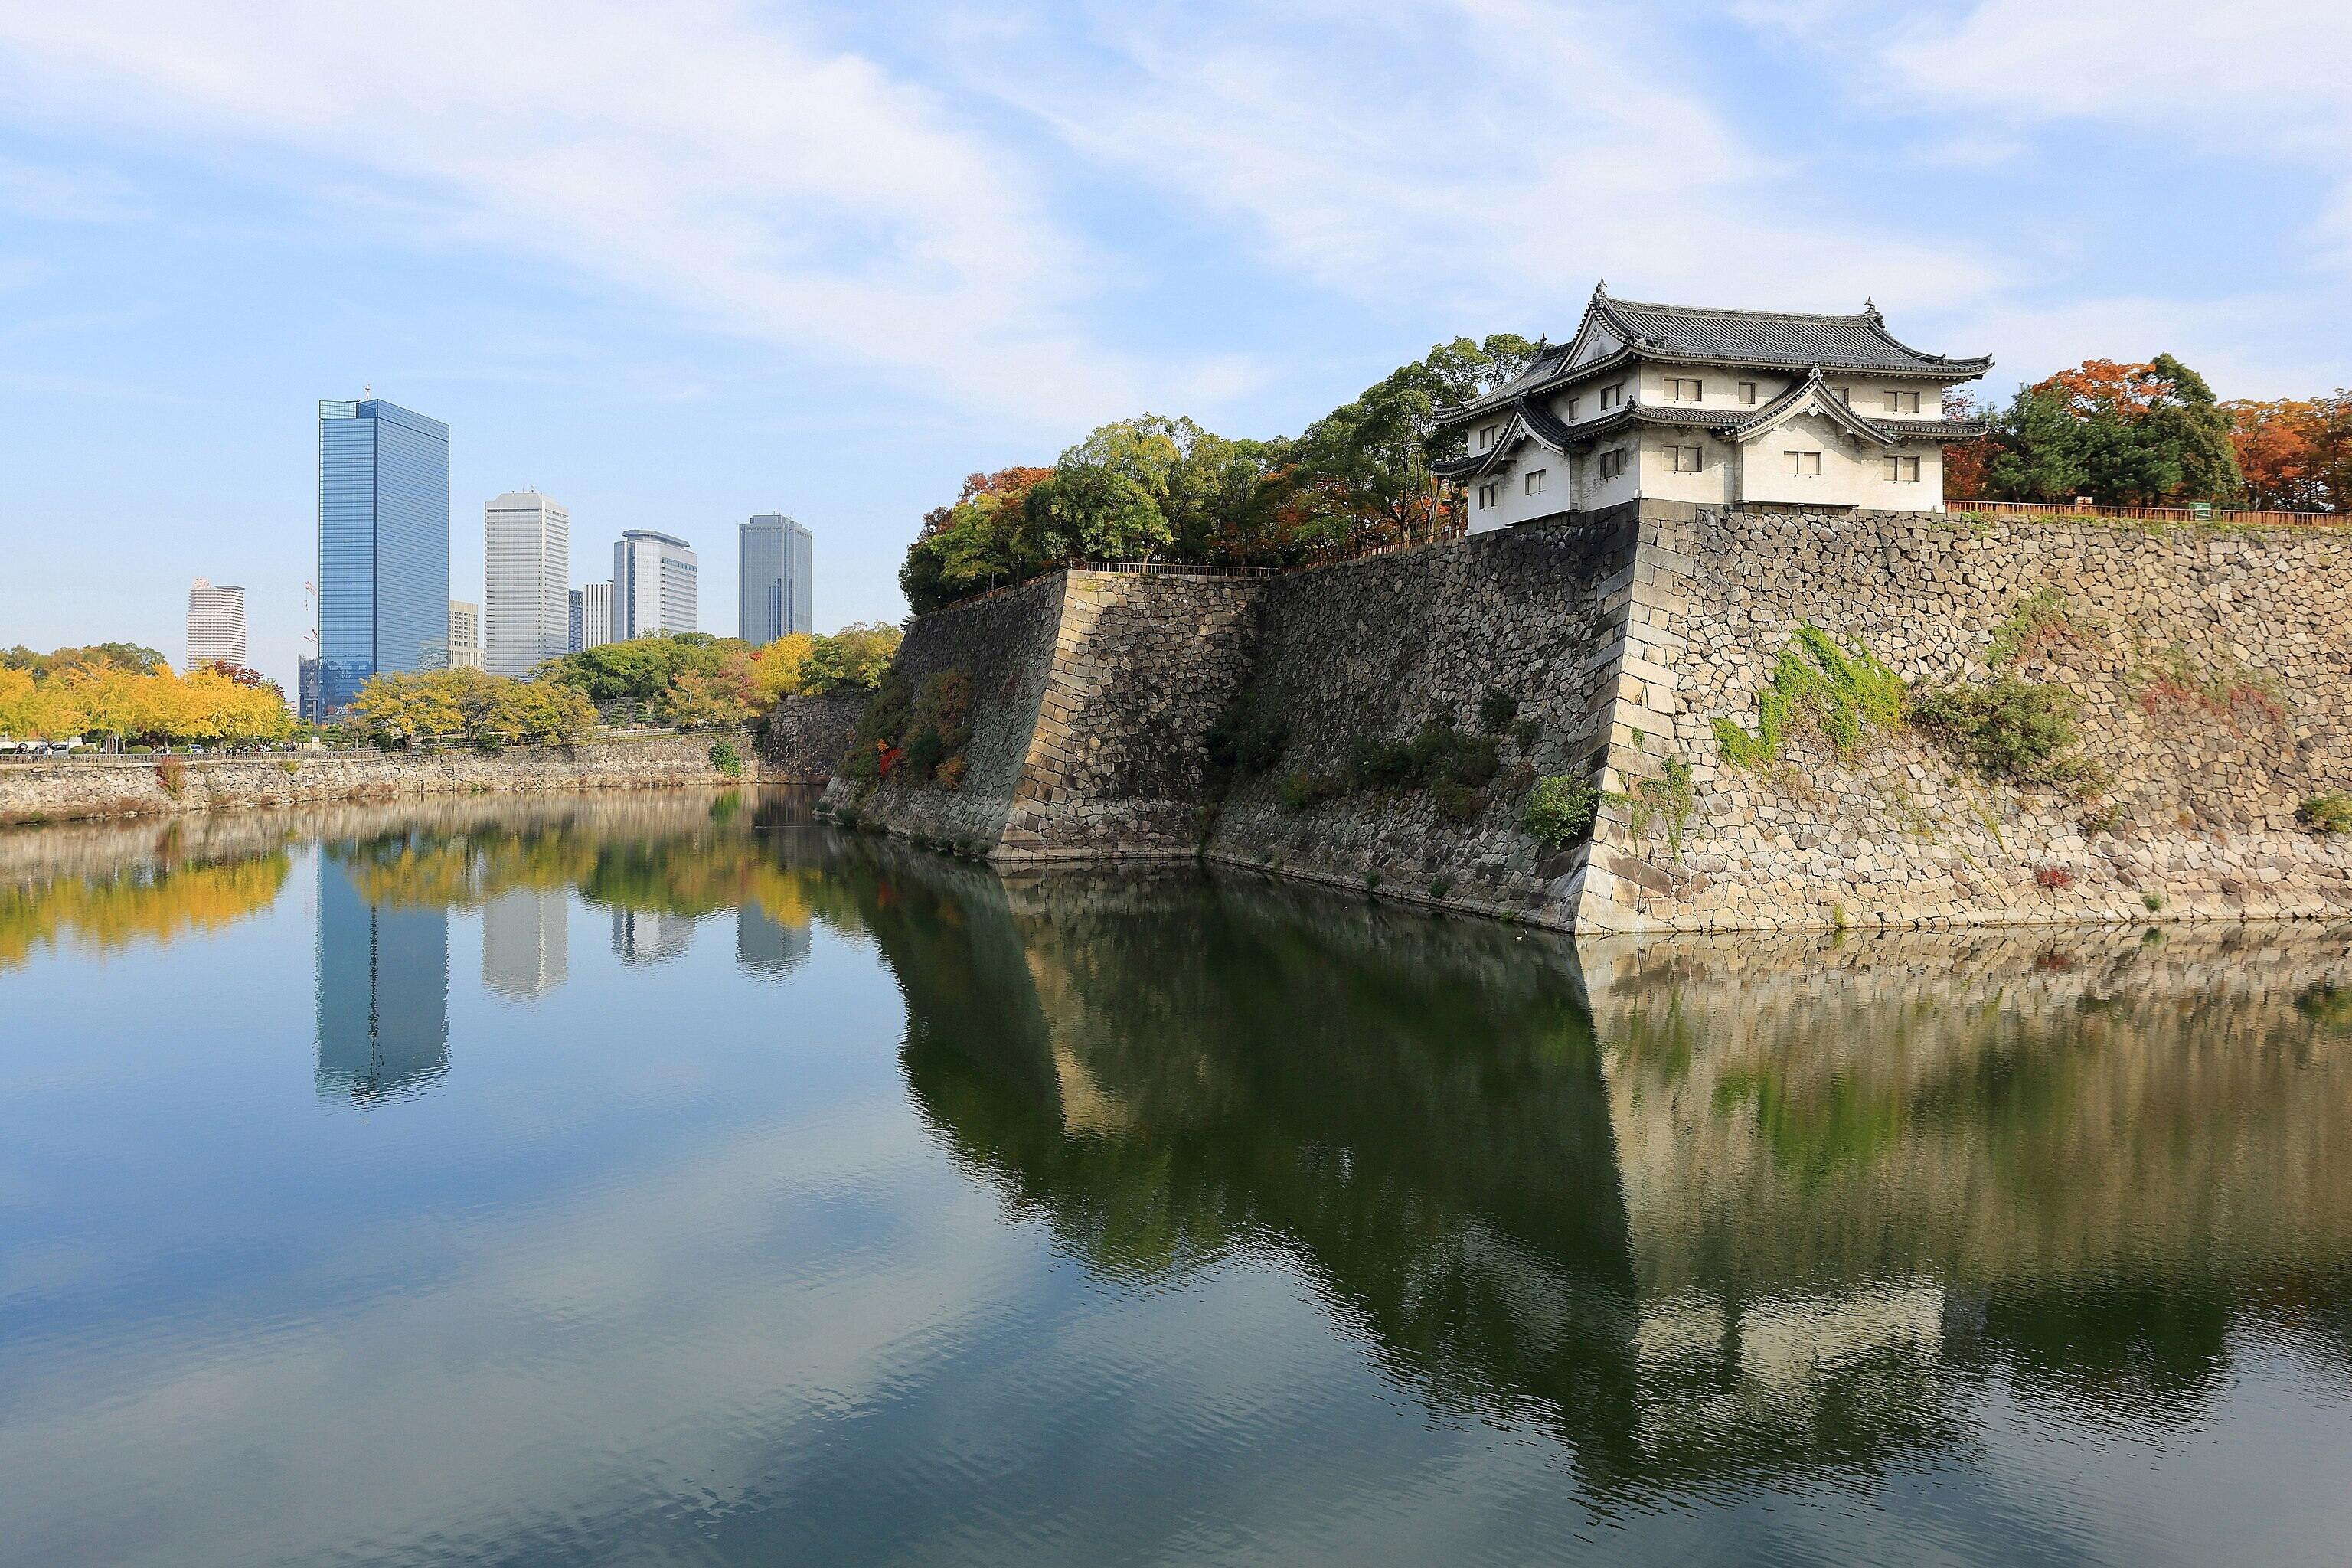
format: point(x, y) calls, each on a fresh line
point(2083, 1156)
point(1717, 1230)
point(383, 986)
point(525, 942)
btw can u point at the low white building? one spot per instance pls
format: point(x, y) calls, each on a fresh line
point(1675, 403)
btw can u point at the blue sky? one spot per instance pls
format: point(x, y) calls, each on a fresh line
point(678, 264)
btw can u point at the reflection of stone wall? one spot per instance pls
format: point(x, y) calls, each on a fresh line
point(1791, 1113)
point(129, 786)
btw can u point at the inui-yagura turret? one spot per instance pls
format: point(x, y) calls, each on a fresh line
point(1672, 402)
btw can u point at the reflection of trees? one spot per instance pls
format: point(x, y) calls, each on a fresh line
point(1754, 1221)
point(686, 859)
point(155, 901)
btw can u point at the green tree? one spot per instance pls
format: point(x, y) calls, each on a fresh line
point(853, 659)
point(2037, 451)
point(1091, 511)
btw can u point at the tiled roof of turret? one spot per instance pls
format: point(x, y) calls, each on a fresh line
point(1765, 339)
point(1775, 337)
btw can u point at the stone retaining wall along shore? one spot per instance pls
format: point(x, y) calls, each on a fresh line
point(2211, 673)
point(77, 789)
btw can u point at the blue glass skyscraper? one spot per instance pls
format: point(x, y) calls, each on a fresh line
point(383, 544)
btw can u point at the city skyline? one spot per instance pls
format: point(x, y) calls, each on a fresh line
point(1058, 226)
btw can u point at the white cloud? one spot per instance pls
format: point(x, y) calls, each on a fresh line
point(729, 166)
point(1491, 155)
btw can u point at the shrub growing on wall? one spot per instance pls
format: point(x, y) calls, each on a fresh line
point(2019, 731)
point(2327, 814)
point(916, 735)
point(1820, 688)
point(1560, 811)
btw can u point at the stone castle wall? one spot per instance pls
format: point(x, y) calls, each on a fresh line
point(79, 789)
point(2212, 671)
point(1377, 649)
point(2211, 674)
point(1005, 643)
point(1118, 765)
point(806, 736)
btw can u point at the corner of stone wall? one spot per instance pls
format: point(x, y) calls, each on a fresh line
point(1638, 702)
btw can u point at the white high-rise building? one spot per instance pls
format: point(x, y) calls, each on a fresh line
point(654, 585)
point(526, 582)
point(525, 938)
point(595, 615)
point(215, 625)
point(773, 562)
point(465, 636)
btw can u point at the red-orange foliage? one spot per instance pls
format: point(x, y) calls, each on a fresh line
point(2293, 451)
point(1964, 461)
point(2106, 385)
point(1006, 486)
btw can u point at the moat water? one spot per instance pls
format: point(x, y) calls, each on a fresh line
point(674, 1180)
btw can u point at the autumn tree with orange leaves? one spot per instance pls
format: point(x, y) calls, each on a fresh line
point(2122, 433)
point(2296, 453)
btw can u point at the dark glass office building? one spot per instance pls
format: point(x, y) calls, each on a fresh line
point(383, 545)
point(383, 985)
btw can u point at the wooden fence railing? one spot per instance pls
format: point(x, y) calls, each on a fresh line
point(2230, 517)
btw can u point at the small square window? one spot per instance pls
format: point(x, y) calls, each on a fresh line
point(1747, 393)
point(1684, 389)
point(1571, 412)
point(1687, 459)
point(1804, 465)
point(1903, 471)
point(1613, 463)
point(1535, 482)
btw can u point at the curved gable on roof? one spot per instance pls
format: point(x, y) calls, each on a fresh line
point(1614, 330)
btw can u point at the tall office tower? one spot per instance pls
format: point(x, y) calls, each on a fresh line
point(305, 690)
point(653, 588)
point(525, 934)
point(526, 582)
point(382, 990)
point(572, 632)
point(465, 636)
point(772, 579)
point(215, 625)
point(595, 615)
point(383, 545)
